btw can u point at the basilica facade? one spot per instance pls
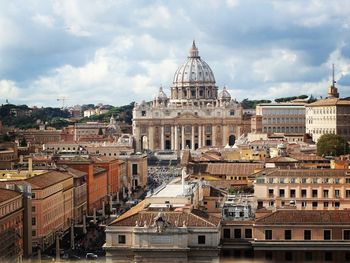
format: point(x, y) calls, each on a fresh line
point(196, 115)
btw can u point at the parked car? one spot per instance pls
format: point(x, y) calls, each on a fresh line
point(91, 256)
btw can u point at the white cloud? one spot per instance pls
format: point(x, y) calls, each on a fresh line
point(232, 3)
point(153, 16)
point(44, 20)
point(8, 89)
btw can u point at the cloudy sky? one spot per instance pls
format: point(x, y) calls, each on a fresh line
point(118, 51)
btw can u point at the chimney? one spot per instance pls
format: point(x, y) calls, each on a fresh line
point(30, 167)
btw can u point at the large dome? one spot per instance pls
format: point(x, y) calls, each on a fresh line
point(194, 70)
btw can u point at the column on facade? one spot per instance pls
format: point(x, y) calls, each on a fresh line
point(213, 135)
point(203, 135)
point(151, 138)
point(224, 135)
point(176, 138)
point(192, 138)
point(183, 141)
point(172, 139)
point(162, 137)
point(199, 136)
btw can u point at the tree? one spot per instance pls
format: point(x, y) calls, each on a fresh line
point(332, 145)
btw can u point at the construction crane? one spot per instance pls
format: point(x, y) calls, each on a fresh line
point(63, 99)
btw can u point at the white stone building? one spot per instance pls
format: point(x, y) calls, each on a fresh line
point(279, 118)
point(195, 115)
point(329, 116)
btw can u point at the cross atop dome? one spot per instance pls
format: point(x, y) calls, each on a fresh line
point(193, 51)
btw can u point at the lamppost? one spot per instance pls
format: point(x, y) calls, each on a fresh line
point(58, 234)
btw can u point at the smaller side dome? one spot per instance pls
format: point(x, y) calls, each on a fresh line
point(224, 95)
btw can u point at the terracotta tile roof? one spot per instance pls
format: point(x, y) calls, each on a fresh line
point(103, 159)
point(75, 173)
point(307, 217)
point(305, 172)
point(6, 195)
point(195, 218)
point(47, 179)
point(281, 159)
point(233, 168)
point(98, 170)
point(307, 157)
point(329, 102)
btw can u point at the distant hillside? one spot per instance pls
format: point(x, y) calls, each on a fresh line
point(122, 113)
point(21, 116)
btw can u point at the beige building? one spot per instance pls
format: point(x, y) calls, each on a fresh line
point(329, 116)
point(279, 118)
point(307, 189)
point(165, 227)
point(195, 115)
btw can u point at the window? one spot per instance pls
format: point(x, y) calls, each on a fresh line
point(33, 221)
point(347, 193)
point(134, 169)
point(33, 209)
point(303, 192)
point(270, 193)
point(314, 192)
point(292, 193)
point(33, 195)
point(287, 234)
point(201, 240)
point(336, 193)
point(260, 180)
point(307, 234)
point(325, 204)
point(143, 113)
point(336, 204)
point(121, 239)
point(325, 180)
point(347, 180)
point(281, 180)
point(237, 233)
point(314, 180)
point(33, 233)
point(248, 233)
point(232, 113)
point(303, 180)
point(270, 180)
point(336, 180)
point(325, 193)
point(326, 234)
point(346, 234)
point(314, 204)
point(268, 234)
point(281, 192)
point(303, 204)
point(227, 233)
point(292, 180)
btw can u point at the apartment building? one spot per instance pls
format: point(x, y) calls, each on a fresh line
point(11, 226)
point(303, 189)
point(279, 118)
